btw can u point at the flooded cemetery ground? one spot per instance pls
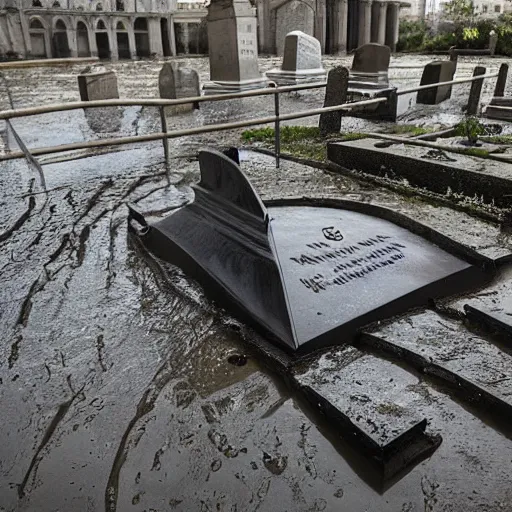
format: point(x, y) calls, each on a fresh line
point(123, 388)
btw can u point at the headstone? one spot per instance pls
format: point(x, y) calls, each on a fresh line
point(493, 41)
point(371, 64)
point(435, 72)
point(293, 15)
point(176, 82)
point(335, 94)
point(475, 92)
point(302, 61)
point(233, 47)
point(501, 82)
point(98, 85)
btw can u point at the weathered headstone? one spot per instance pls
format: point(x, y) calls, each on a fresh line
point(435, 72)
point(501, 82)
point(335, 94)
point(233, 47)
point(493, 41)
point(371, 64)
point(99, 85)
point(176, 82)
point(475, 92)
point(302, 61)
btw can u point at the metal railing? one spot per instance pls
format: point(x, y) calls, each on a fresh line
point(165, 135)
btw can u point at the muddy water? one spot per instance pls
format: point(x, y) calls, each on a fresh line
point(115, 385)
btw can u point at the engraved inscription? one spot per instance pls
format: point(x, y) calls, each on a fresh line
point(332, 234)
point(346, 263)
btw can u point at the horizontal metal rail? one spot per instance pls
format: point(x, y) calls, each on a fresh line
point(440, 84)
point(190, 131)
point(153, 102)
point(157, 102)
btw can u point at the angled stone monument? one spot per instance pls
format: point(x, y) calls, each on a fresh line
point(177, 82)
point(233, 47)
point(335, 94)
point(499, 99)
point(433, 73)
point(302, 61)
point(304, 273)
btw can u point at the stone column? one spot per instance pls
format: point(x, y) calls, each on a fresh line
point(112, 36)
point(73, 50)
point(172, 36)
point(393, 25)
point(365, 21)
point(321, 23)
point(93, 47)
point(381, 35)
point(131, 40)
point(155, 37)
point(185, 37)
point(343, 26)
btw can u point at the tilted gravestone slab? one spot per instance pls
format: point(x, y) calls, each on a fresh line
point(435, 72)
point(307, 275)
point(335, 94)
point(98, 86)
point(233, 47)
point(302, 61)
point(176, 82)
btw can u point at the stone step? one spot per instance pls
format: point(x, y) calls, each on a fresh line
point(367, 398)
point(448, 350)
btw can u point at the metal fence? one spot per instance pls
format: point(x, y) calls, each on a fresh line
point(165, 135)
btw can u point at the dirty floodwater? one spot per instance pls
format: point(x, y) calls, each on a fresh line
point(123, 388)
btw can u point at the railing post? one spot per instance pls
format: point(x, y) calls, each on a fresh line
point(165, 140)
point(277, 130)
point(475, 92)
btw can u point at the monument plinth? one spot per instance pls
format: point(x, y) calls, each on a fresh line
point(233, 47)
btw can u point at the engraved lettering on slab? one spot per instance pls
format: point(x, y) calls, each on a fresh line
point(340, 265)
point(332, 234)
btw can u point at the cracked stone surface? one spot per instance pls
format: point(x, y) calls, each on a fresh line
point(115, 385)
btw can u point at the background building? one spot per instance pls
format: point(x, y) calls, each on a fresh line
point(127, 29)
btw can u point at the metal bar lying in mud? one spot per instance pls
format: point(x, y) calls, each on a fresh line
point(439, 84)
point(155, 102)
point(190, 131)
point(433, 145)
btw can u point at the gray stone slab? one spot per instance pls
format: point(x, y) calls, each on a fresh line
point(368, 398)
point(435, 72)
point(447, 349)
point(293, 15)
point(428, 168)
point(98, 86)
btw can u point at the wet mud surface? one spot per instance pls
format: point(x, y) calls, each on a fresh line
point(123, 388)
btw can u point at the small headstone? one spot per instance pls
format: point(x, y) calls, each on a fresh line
point(233, 47)
point(335, 94)
point(499, 90)
point(175, 82)
point(99, 85)
point(371, 64)
point(435, 72)
point(475, 92)
point(302, 61)
point(493, 41)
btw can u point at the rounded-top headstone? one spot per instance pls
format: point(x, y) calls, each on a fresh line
point(301, 51)
point(371, 58)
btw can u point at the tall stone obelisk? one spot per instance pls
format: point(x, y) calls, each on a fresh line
point(233, 47)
